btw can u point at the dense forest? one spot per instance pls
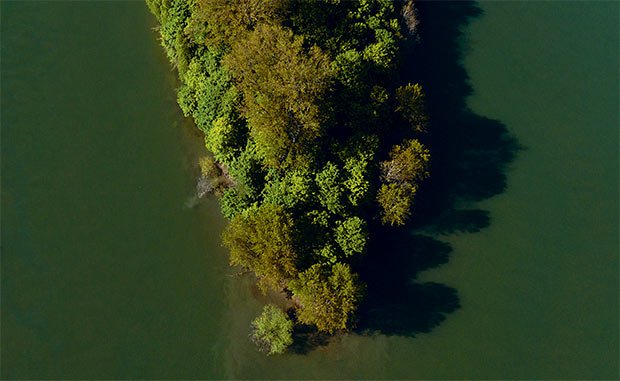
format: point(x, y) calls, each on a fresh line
point(313, 139)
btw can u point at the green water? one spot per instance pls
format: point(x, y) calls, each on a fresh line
point(106, 273)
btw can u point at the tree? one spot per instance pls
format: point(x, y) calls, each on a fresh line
point(327, 297)
point(290, 189)
point(412, 104)
point(327, 254)
point(261, 240)
point(229, 21)
point(272, 330)
point(283, 84)
point(395, 201)
point(330, 188)
point(351, 236)
point(233, 202)
point(207, 92)
point(225, 140)
point(357, 182)
point(408, 163)
point(172, 16)
point(247, 172)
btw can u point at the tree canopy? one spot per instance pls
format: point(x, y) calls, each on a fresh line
point(261, 239)
point(272, 330)
point(301, 104)
point(328, 297)
point(282, 83)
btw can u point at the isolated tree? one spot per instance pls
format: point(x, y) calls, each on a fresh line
point(272, 330)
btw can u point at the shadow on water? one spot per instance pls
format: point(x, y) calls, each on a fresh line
point(471, 155)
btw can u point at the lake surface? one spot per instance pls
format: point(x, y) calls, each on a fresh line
point(107, 274)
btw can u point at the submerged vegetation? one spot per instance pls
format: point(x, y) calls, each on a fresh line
point(313, 139)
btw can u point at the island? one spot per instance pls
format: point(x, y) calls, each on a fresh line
point(314, 137)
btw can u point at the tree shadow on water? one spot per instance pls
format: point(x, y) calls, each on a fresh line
point(396, 304)
point(470, 157)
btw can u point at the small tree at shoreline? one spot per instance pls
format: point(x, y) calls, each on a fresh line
point(272, 330)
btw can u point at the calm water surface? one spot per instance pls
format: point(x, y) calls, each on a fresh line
point(106, 274)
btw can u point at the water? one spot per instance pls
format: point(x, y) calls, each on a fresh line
point(106, 273)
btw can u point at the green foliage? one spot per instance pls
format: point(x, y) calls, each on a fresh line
point(349, 68)
point(383, 51)
point(330, 187)
point(408, 163)
point(247, 172)
point(282, 83)
point(229, 21)
point(373, 23)
point(327, 254)
point(207, 92)
point(225, 140)
point(327, 297)
point(351, 236)
point(261, 239)
point(412, 104)
point(233, 202)
point(295, 100)
point(155, 8)
point(208, 167)
point(357, 182)
point(289, 190)
point(272, 330)
point(379, 97)
point(319, 217)
point(172, 16)
point(395, 202)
